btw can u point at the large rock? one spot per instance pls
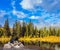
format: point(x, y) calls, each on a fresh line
point(16, 44)
point(21, 45)
point(7, 46)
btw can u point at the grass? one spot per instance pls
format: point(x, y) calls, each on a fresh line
point(52, 39)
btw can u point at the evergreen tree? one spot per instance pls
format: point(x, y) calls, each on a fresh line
point(14, 30)
point(30, 29)
point(17, 29)
point(36, 32)
point(58, 32)
point(1, 32)
point(45, 32)
point(26, 33)
point(41, 33)
point(52, 31)
point(6, 28)
point(23, 28)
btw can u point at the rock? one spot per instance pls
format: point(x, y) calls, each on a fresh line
point(7, 46)
point(56, 47)
point(21, 45)
point(16, 46)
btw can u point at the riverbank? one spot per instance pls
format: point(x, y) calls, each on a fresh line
point(28, 48)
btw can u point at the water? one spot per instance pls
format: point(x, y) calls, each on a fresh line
point(43, 44)
point(20, 49)
point(36, 46)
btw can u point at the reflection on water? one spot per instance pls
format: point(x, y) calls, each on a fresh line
point(55, 46)
point(42, 45)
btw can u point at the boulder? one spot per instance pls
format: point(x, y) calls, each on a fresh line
point(7, 46)
point(16, 46)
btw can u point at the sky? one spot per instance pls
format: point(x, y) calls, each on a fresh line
point(41, 12)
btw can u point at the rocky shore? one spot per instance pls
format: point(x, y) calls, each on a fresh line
point(19, 46)
point(15, 44)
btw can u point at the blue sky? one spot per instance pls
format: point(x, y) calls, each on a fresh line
point(41, 12)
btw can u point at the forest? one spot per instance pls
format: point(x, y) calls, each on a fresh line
point(26, 31)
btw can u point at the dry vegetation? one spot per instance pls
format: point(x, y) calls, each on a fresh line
point(52, 39)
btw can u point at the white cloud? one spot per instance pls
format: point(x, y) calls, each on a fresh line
point(26, 4)
point(34, 17)
point(13, 4)
point(48, 5)
point(19, 14)
point(30, 4)
point(45, 19)
point(48, 20)
point(55, 2)
point(2, 13)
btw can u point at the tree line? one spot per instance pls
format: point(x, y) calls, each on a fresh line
point(27, 30)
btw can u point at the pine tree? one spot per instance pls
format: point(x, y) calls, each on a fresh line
point(14, 31)
point(36, 32)
point(45, 32)
point(26, 33)
point(23, 28)
point(1, 32)
point(52, 31)
point(30, 29)
point(6, 28)
point(17, 29)
point(41, 33)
